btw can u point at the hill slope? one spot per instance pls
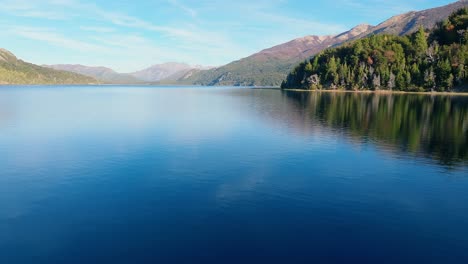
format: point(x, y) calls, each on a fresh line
point(99, 73)
point(269, 67)
point(160, 73)
point(409, 23)
point(164, 71)
point(15, 71)
point(416, 62)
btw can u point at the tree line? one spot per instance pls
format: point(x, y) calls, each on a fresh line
point(432, 60)
point(413, 124)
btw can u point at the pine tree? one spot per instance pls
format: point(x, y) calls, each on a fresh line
point(315, 64)
point(332, 71)
point(449, 83)
point(420, 42)
point(392, 62)
point(308, 68)
point(443, 72)
point(400, 81)
point(429, 79)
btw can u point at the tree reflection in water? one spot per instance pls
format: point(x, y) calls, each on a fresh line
point(431, 126)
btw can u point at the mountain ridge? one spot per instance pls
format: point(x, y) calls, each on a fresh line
point(271, 63)
point(424, 61)
point(162, 71)
point(152, 74)
point(409, 22)
point(98, 72)
point(267, 67)
point(270, 66)
point(16, 71)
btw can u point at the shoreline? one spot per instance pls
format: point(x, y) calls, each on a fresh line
point(252, 87)
point(378, 92)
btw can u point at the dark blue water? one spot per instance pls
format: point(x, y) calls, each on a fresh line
point(224, 175)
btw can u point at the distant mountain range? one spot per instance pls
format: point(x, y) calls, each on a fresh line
point(15, 71)
point(265, 68)
point(270, 66)
point(408, 23)
point(103, 74)
point(154, 74)
point(165, 71)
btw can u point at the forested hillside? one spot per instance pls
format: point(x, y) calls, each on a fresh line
point(15, 71)
point(424, 61)
point(270, 66)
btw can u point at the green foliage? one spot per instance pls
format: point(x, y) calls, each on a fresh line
point(406, 63)
point(453, 29)
point(14, 71)
point(431, 126)
point(245, 72)
point(420, 42)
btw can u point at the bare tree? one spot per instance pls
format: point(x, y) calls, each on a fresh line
point(313, 79)
point(461, 32)
point(376, 81)
point(391, 81)
point(432, 51)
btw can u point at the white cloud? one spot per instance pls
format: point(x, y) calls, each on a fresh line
point(54, 38)
point(183, 7)
point(319, 28)
point(385, 7)
point(97, 29)
point(194, 31)
point(30, 9)
point(181, 33)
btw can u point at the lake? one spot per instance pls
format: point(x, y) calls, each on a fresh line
point(121, 174)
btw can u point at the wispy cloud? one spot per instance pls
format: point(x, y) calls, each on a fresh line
point(54, 38)
point(97, 29)
point(182, 33)
point(319, 28)
point(126, 35)
point(183, 7)
point(386, 8)
point(29, 9)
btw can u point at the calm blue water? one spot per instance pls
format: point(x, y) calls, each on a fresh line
point(230, 175)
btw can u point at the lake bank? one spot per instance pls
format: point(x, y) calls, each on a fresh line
point(379, 92)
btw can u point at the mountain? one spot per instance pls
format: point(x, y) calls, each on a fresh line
point(410, 22)
point(15, 71)
point(164, 71)
point(412, 62)
point(100, 73)
point(270, 66)
point(160, 73)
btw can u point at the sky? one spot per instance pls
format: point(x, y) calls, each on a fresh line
point(131, 35)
